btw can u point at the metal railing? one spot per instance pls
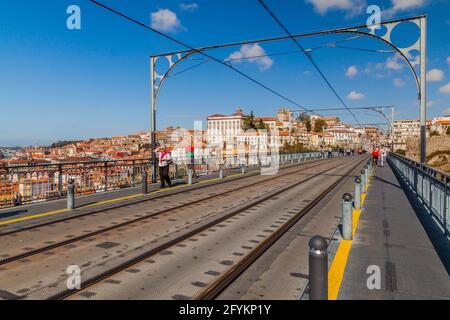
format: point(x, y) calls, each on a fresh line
point(432, 187)
point(24, 184)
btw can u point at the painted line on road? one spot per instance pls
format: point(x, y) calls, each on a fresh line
point(337, 269)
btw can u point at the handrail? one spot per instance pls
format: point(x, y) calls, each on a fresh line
point(429, 184)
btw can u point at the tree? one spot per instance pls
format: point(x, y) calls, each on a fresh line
point(319, 125)
point(448, 131)
point(305, 119)
point(308, 125)
point(434, 133)
point(249, 121)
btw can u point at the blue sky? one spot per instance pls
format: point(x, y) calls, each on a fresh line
point(60, 84)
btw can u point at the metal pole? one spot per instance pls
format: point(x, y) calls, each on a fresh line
point(392, 130)
point(190, 176)
point(221, 172)
point(243, 169)
point(71, 194)
point(153, 118)
point(422, 94)
point(144, 183)
point(357, 200)
point(363, 181)
point(318, 268)
point(366, 176)
point(347, 217)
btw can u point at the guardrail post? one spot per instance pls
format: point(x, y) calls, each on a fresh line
point(60, 180)
point(71, 194)
point(366, 169)
point(133, 176)
point(190, 176)
point(144, 182)
point(243, 169)
point(357, 200)
point(347, 217)
point(221, 172)
point(318, 268)
point(445, 205)
point(363, 181)
point(106, 176)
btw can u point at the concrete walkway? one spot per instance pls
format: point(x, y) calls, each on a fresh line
point(391, 237)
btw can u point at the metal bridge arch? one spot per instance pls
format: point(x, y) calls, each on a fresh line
point(419, 45)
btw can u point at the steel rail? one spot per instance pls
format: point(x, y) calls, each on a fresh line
point(228, 277)
point(146, 217)
point(107, 274)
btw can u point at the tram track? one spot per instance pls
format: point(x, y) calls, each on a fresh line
point(219, 285)
point(59, 244)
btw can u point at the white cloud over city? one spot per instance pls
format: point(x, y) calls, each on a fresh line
point(165, 20)
point(353, 95)
point(352, 7)
point(394, 63)
point(351, 71)
point(403, 5)
point(399, 82)
point(445, 89)
point(189, 6)
point(252, 53)
point(435, 75)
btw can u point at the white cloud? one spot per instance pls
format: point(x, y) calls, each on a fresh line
point(351, 71)
point(394, 64)
point(446, 112)
point(165, 20)
point(189, 6)
point(403, 5)
point(398, 82)
point(435, 75)
point(448, 59)
point(445, 89)
point(353, 95)
point(255, 51)
point(352, 7)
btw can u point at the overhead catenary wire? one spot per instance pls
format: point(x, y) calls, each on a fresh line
point(194, 49)
point(227, 60)
point(308, 55)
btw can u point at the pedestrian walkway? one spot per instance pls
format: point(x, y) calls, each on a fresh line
point(391, 238)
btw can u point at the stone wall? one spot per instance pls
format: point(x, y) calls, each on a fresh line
point(435, 143)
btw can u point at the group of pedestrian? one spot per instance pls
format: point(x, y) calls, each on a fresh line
point(379, 155)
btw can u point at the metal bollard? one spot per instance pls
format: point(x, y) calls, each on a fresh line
point(357, 200)
point(347, 217)
point(318, 268)
point(144, 183)
point(190, 176)
point(366, 180)
point(243, 169)
point(221, 172)
point(363, 182)
point(71, 195)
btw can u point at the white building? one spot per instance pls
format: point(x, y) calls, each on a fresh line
point(222, 128)
point(404, 129)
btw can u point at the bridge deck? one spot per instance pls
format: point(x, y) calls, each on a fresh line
point(390, 235)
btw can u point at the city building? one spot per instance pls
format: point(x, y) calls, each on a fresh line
point(404, 130)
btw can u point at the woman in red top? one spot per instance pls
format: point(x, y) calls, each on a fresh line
point(375, 156)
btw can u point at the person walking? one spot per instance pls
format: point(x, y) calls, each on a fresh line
point(375, 156)
point(164, 163)
point(383, 156)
